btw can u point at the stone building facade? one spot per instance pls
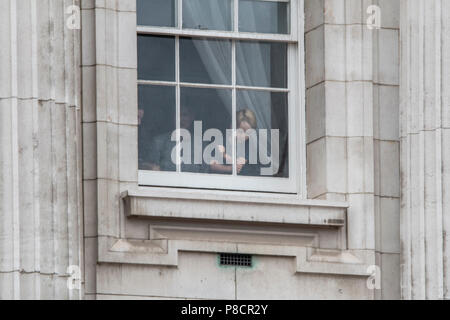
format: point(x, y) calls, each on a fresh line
point(370, 215)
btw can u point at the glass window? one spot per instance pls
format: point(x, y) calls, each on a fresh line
point(160, 13)
point(261, 64)
point(206, 114)
point(267, 113)
point(205, 61)
point(207, 14)
point(156, 58)
point(264, 16)
point(216, 109)
point(157, 121)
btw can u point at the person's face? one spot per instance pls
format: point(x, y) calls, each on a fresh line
point(241, 134)
point(186, 119)
point(140, 115)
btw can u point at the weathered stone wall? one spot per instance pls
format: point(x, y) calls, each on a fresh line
point(40, 155)
point(387, 147)
point(57, 207)
point(425, 148)
point(118, 241)
point(109, 69)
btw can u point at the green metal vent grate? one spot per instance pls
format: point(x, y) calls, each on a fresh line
point(234, 259)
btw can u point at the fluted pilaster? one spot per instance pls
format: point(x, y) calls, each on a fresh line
point(425, 148)
point(40, 190)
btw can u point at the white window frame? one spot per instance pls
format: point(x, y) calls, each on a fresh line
point(296, 182)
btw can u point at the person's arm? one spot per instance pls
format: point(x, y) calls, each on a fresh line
point(223, 168)
point(227, 168)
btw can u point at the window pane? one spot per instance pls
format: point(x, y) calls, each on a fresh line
point(157, 115)
point(207, 14)
point(263, 16)
point(156, 58)
point(262, 64)
point(264, 153)
point(159, 13)
point(209, 111)
point(205, 61)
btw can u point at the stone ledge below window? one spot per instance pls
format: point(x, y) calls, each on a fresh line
point(182, 204)
point(184, 220)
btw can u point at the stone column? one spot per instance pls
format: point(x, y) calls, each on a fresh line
point(352, 123)
point(40, 189)
point(425, 148)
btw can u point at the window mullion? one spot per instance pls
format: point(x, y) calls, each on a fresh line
point(233, 105)
point(180, 14)
point(236, 16)
point(178, 101)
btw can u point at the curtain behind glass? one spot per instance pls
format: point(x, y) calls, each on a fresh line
point(207, 14)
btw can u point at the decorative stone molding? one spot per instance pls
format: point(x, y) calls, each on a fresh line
point(313, 232)
point(307, 259)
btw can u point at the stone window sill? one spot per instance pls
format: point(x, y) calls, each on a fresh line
point(228, 206)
